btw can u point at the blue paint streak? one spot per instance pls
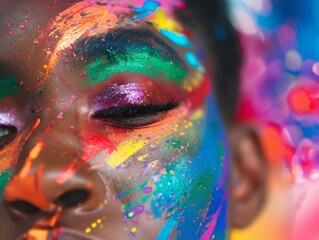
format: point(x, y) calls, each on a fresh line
point(167, 228)
point(147, 8)
point(192, 60)
point(178, 39)
point(208, 159)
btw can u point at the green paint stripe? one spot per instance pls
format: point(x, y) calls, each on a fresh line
point(150, 62)
point(4, 179)
point(8, 86)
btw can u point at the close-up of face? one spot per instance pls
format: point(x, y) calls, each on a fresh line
point(109, 127)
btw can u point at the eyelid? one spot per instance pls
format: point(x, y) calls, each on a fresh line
point(127, 116)
point(11, 118)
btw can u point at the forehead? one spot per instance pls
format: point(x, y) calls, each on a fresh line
point(28, 23)
point(40, 12)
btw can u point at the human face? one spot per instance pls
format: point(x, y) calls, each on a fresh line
point(108, 127)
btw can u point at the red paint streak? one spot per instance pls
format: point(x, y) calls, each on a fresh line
point(95, 144)
point(198, 96)
point(34, 127)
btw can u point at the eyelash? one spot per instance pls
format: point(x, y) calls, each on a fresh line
point(135, 116)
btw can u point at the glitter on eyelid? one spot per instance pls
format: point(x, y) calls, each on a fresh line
point(6, 119)
point(132, 91)
point(116, 95)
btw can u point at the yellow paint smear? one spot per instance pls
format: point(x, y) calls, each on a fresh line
point(123, 152)
point(162, 20)
point(198, 115)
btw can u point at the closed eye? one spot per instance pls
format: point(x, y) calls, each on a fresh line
point(7, 135)
point(134, 116)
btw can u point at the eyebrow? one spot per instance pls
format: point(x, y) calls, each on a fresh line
point(123, 41)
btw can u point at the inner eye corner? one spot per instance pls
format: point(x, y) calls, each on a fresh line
point(7, 135)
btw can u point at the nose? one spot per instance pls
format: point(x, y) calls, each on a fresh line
point(53, 178)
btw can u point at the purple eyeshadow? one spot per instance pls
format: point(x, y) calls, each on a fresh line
point(10, 119)
point(119, 95)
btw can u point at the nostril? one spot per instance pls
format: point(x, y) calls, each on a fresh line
point(24, 207)
point(72, 198)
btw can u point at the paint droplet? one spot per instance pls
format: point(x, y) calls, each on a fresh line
point(83, 74)
point(88, 230)
point(130, 215)
point(22, 26)
point(133, 230)
point(10, 32)
point(138, 210)
point(147, 190)
point(192, 60)
point(45, 66)
point(94, 225)
point(60, 115)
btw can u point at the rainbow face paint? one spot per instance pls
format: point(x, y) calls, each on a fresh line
point(128, 142)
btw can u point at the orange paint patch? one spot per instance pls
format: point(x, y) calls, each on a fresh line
point(37, 234)
point(33, 155)
point(51, 222)
point(83, 19)
point(19, 188)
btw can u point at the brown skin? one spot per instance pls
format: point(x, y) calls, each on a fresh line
point(249, 176)
point(17, 50)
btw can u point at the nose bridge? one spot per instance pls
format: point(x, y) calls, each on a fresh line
point(49, 164)
point(54, 143)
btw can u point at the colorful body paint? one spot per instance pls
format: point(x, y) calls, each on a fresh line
point(8, 86)
point(148, 61)
point(176, 38)
point(4, 179)
point(123, 152)
point(192, 60)
point(147, 8)
point(120, 95)
point(154, 180)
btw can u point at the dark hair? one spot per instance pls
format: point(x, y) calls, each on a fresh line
point(213, 21)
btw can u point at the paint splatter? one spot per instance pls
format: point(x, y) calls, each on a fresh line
point(176, 38)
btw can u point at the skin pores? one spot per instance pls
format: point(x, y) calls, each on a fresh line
point(118, 135)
